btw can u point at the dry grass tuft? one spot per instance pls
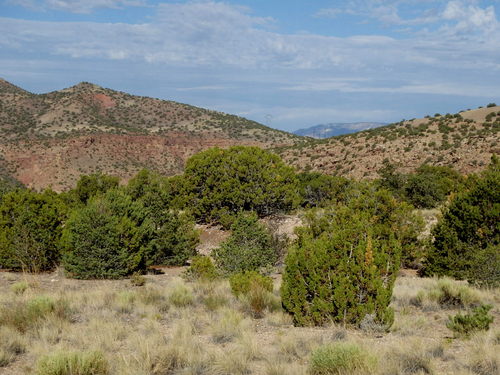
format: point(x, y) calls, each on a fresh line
point(73, 363)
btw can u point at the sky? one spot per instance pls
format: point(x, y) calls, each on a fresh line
point(288, 64)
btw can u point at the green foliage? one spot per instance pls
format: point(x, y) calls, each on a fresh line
point(73, 363)
point(391, 217)
point(254, 291)
point(469, 232)
point(430, 185)
point(107, 238)
point(491, 105)
point(8, 184)
point(30, 230)
point(243, 282)
point(477, 320)
point(249, 247)
point(317, 189)
point(174, 237)
point(341, 268)
point(222, 182)
point(91, 185)
point(341, 359)
point(174, 240)
point(201, 268)
point(392, 180)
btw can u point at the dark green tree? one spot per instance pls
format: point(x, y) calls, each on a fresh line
point(174, 240)
point(392, 180)
point(30, 230)
point(317, 189)
point(91, 185)
point(430, 185)
point(340, 271)
point(468, 234)
point(107, 238)
point(222, 182)
point(174, 237)
point(248, 248)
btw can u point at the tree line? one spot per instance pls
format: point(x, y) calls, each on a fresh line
point(342, 267)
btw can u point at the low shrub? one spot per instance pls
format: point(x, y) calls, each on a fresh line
point(477, 320)
point(243, 282)
point(339, 270)
point(248, 248)
point(73, 363)
point(201, 268)
point(137, 279)
point(23, 315)
point(450, 293)
point(339, 359)
point(254, 291)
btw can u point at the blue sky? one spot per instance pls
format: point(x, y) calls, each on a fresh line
point(288, 64)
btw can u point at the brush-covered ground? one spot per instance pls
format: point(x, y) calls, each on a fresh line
point(173, 326)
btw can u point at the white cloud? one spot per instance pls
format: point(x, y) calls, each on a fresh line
point(458, 57)
point(75, 6)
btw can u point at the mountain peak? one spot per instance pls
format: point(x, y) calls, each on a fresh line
point(7, 87)
point(84, 86)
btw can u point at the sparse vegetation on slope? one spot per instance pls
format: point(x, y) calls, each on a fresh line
point(88, 129)
point(464, 141)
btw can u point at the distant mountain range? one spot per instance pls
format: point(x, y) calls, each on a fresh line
point(338, 128)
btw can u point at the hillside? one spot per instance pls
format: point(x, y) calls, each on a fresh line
point(464, 141)
point(50, 139)
point(333, 129)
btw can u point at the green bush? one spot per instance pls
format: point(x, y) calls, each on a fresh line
point(468, 234)
point(241, 283)
point(430, 185)
point(227, 181)
point(255, 291)
point(341, 359)
point(73, 363)
point(249, 247)
point(340, 270)
point(30, 230)
point(7, 185)
point(174, 239)
point(477, 320)
point(201, 268)
point(317, 189)
point(89, 186)
point(107, 238)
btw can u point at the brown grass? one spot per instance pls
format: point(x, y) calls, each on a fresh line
point(169, 326)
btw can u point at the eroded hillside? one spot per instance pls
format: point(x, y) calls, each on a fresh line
point(51, 139)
